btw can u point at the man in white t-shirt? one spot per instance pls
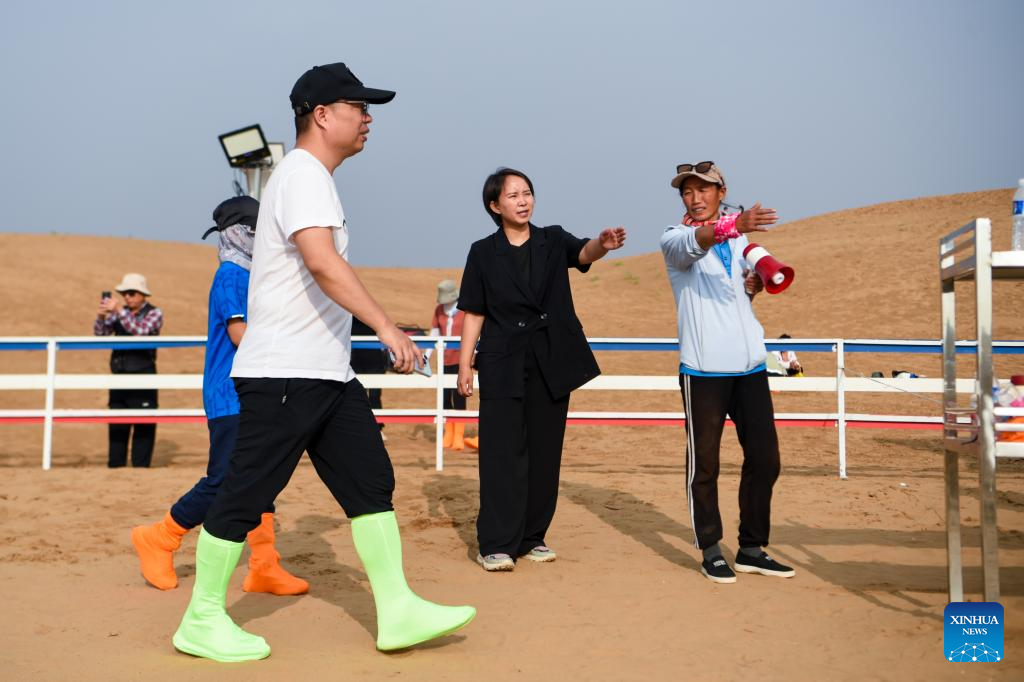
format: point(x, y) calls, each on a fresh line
point(297, 390)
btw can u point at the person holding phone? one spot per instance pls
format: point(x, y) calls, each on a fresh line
point(297, 390)
point(134, 316)
point(722, 369)
point(532, 354)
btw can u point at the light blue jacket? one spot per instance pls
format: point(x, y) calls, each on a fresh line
point(718, 331)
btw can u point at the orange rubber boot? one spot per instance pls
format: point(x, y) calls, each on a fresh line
point(457, 441)
point(265, 571)
point(449, 434)
point(155, 546)
point(473, 443)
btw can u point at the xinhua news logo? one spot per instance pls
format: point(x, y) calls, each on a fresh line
point(974, 632)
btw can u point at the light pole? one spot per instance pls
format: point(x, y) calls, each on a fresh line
point(247, 149)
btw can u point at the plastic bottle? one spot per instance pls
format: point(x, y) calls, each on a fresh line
point(996, 389)
point(1004, 394)
point(1017, 238)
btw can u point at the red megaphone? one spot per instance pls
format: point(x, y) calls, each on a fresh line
point(775, 275)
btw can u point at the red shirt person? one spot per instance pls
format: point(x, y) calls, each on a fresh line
point(447, 321)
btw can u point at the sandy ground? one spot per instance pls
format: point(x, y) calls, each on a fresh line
point(625, 599)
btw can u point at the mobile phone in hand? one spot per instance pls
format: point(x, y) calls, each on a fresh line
point(104, 295)
point(419, 367)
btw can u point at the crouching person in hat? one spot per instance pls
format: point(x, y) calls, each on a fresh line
point(134, 317)
point(297, 390)
point(722, 368)
point(155, 544)
point(447, 321)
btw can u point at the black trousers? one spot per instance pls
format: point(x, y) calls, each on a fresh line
point(279, 420)
point(375, 395)
point(520, 458)
point(190, 509)
point(748, 401)
point(452, 399)
point(142, 436)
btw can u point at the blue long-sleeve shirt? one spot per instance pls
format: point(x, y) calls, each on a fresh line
point(718, 332)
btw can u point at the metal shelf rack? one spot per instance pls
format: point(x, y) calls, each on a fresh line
point(966, 255)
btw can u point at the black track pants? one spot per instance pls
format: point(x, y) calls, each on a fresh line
point(747, 400)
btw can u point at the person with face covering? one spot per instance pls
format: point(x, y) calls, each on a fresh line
point(155, 544)
point(722, 368)
point(532, 355)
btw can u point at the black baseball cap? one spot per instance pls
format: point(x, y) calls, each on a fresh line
point(234, 211)
point(330, 83)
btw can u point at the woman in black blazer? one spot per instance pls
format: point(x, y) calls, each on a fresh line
point(532, 354)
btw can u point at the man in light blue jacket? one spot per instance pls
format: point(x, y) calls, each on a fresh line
point(722, 368)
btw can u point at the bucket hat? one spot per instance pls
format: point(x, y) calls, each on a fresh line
point(132, 281)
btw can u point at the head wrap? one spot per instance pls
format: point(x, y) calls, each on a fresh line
point(236, 245)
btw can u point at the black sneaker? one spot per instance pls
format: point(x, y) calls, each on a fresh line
point(716, 569)
point(763, 564)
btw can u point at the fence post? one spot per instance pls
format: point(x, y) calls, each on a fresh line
point(51, 382)
point(439, 404)
point(841, 405)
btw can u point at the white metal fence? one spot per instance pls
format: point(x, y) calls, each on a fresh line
point(839, 384)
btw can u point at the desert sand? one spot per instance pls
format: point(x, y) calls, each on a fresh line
point(625, 599)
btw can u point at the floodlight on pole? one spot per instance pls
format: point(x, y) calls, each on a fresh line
point(247, 149)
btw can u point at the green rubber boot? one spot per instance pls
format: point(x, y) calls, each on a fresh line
point(403, 619)
point(206, 629)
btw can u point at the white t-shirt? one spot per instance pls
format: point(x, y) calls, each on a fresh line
point(295, 330)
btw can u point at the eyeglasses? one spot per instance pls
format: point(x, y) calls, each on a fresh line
point(702, 167)
point(364, 106)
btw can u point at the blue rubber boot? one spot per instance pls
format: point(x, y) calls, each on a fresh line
point(403, 619)
point(206, 629)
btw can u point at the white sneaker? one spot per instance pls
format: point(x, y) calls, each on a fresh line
point(541, 553)
point(496, 562)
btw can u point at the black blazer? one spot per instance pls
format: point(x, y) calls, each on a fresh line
point(519, 315)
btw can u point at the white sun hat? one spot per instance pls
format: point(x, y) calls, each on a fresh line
point(132, 281)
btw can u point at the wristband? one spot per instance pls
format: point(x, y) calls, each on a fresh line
point(725, 228)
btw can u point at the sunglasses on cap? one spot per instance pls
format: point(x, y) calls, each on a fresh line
point(702, 167)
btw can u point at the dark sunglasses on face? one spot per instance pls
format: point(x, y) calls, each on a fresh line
point(702, 167)
point(131, 292)
point(363, 106)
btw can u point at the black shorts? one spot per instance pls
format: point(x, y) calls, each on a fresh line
point(279, 420)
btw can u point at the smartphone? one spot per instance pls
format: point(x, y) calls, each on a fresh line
point(104, 295)
point(422, 367)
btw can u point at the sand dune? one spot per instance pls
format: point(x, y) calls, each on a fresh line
point(624, 600)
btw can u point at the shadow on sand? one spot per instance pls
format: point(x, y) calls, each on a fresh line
point(329, 580)
point(886, 585)
point(453, 500)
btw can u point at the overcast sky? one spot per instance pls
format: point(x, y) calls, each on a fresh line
point(111, 110)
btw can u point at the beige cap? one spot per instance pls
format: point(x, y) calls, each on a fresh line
point(132, 281)
point(447, 292)
point(709, 173)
